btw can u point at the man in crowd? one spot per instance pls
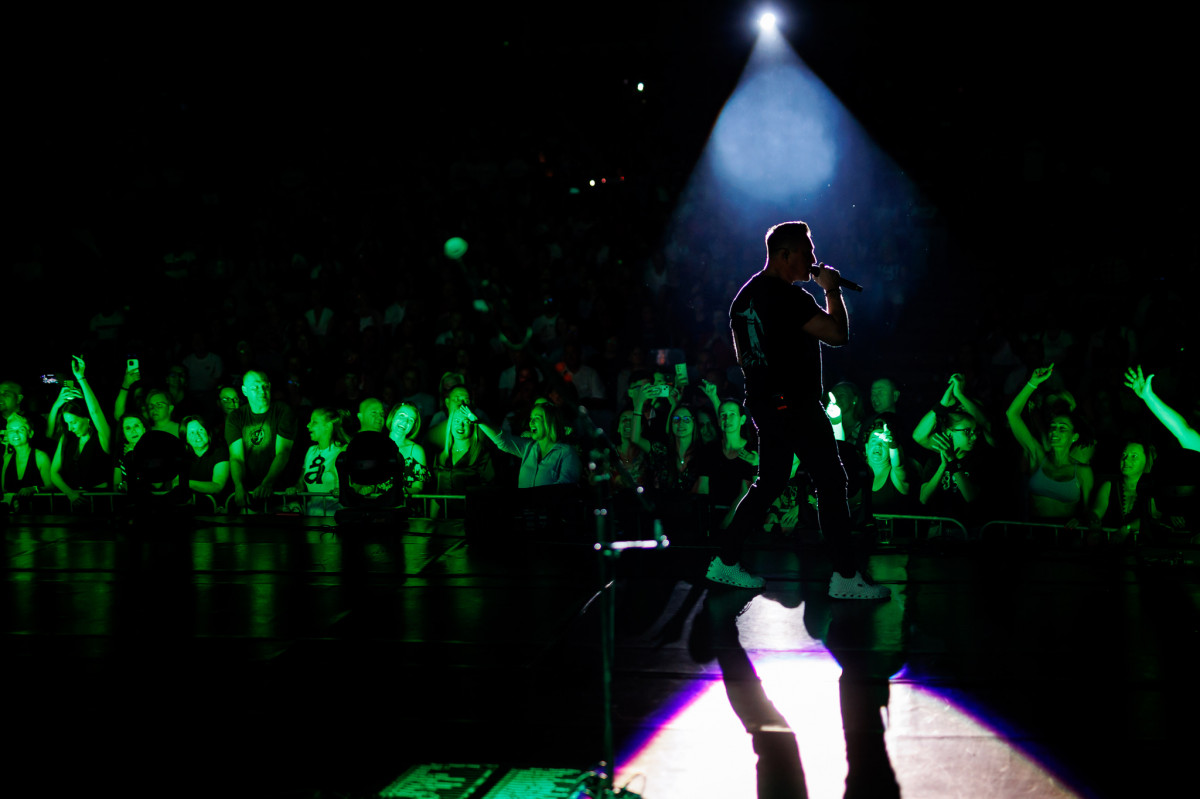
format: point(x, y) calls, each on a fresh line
point(260, 436)
point(371, 416)
point(10, 402)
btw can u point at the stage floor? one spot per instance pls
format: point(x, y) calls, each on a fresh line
point(283, 658)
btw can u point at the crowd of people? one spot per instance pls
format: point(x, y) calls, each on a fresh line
point(684, 436)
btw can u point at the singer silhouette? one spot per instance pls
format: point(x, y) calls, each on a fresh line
point(778, 329)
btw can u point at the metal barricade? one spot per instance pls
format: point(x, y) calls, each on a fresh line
point(54, 503)
point(1055, 533)
point(934, 527)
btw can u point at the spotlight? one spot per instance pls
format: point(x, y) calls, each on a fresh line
point(767, 21)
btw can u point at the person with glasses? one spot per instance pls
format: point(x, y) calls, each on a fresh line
point(955, 397)
point(955, 484)
point(229, 399)
point(778, 333)
point(159, 409)
point(259, 437)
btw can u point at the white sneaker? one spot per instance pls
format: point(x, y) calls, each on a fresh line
point(733, 575)
point(856, 588)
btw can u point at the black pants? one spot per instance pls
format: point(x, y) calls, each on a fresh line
point(805, 431)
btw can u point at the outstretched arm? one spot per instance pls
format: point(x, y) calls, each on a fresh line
point(1171, 419)
point(1032, 447)
point(103, 432)
point(503, 441)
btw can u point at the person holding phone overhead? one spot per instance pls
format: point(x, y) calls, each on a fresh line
point(82, 459)
point(778, 329)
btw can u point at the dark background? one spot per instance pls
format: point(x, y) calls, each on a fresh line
point(1046, 141)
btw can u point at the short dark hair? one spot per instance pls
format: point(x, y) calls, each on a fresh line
point(787, 235)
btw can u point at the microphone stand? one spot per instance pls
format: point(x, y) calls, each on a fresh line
point(609, 551)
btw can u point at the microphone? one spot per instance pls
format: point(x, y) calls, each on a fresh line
point(843, 283)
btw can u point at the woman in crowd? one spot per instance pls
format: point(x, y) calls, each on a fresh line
point(465, 461)
point(1124, 502)
point(320, 477)
point(132, 430)
point(629, 454)
point(82, 458)
point(679, 465)
point(732, 472)
point(229, 399)
point(208, 461)
point(706, 428)
point(1060, 488)
point(954, 398)
point(403, 425)
point(956, 479)
point(545, 458)
point(26, 470)
point(891, 471)
point(455, 395)
point(159, 409)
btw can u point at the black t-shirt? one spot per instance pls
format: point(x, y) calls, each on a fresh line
point(947, 500)
point(725, 476)
point(767, 319)
point(257, 432)
point(201, 469)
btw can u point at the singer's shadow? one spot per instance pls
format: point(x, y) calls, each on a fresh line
point(851, 631)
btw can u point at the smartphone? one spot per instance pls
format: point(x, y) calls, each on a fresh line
point(680, 374)
point(50, 380)
point(69, 383)
point(658, 391)
point(131, 365)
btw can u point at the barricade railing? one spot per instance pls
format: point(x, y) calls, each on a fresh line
point(1057, 533)
point(51, 503)
point(886, 525)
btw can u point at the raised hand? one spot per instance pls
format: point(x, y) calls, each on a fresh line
point(67, 393)
point(1139, 383)
point(886, 437)
point(132, 375)
point(944, 444)
point(832, 410)
point(827, 277)
point(1041, 375)
point(78, 367)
